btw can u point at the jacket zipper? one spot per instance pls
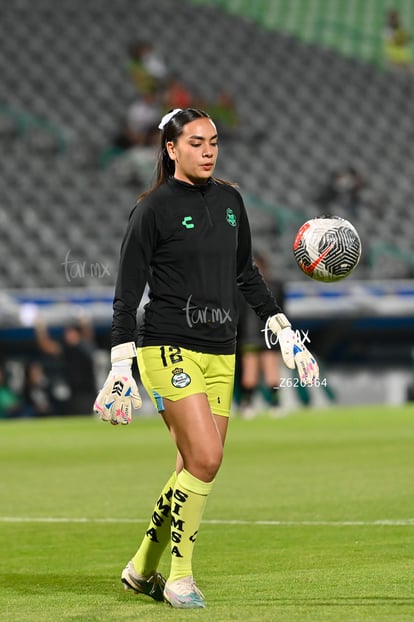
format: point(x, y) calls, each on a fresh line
point(210, 220)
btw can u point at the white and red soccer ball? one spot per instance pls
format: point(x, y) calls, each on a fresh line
point(327, 248)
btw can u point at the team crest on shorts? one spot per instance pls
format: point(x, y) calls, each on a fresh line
point(180, 379)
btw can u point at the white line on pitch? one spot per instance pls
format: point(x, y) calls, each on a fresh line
point(401, 522)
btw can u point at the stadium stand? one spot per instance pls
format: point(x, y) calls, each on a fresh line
point(308, 108)
point(351, 27)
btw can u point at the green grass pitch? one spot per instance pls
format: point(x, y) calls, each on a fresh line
point(311, 519)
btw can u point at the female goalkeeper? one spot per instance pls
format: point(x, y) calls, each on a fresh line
point(188, 237)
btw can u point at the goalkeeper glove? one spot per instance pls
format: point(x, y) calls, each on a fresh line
point(293, 350)
point(119, 395)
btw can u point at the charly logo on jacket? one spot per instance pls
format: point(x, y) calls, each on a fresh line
point(180, 379)
point(231, 217)
point(187, 222)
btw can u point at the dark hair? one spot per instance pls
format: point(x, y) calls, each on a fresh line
point(170, 133)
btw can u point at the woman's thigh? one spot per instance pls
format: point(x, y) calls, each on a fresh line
point(199, 435)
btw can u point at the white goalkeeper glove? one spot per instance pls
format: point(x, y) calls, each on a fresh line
point(293, 350)
point(119, 395)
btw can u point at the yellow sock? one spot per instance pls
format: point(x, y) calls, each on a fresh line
point(187, 507)
point(157, 535)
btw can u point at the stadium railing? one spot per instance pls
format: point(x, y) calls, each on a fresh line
point(25, 122)
point(284, 216)
point(380, 249)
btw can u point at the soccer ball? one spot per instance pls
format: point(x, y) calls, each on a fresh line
point(327, 248)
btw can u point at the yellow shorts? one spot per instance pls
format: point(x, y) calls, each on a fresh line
point(168, 372)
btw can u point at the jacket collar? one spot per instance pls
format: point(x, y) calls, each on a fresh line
point(177, 183)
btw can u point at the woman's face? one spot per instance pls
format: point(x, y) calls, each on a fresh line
point(195, 151)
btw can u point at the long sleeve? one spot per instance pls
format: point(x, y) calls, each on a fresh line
point(249, 279)
point(134, 268)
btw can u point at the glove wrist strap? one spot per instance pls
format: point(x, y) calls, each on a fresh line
point(123, 351)
point(274, 325)
point(279, 322)
point(121, 365)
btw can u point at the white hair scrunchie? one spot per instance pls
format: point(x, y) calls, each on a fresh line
point(167, 118)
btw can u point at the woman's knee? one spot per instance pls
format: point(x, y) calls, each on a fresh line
point(205, 464)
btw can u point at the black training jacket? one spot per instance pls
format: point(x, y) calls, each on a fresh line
point(192, 245)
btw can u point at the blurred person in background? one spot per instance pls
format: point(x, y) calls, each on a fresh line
point(37, 396)
point(259, 367)
point(147, 68)
point(75, 354)
point(342, 190)
point(133, 146)
point(177, 95)
point(225, 114)
point(396, 42)
point(140, 129)
point(10, 402)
